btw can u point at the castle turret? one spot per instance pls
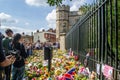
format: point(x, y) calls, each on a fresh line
point(62, 20)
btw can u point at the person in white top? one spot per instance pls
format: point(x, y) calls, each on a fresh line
point(37, 45)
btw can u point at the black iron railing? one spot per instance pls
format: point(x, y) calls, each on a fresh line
point(98, 32)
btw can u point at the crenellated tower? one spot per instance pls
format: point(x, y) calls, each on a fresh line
point(62, 20)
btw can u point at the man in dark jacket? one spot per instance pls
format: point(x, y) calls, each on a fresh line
point(7, 41)
point(4, 61)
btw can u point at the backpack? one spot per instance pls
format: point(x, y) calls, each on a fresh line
point(9, 49)
point(7, 45)
point(18, 52)
point(15, 52)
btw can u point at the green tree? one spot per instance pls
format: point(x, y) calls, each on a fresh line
point(55, 2)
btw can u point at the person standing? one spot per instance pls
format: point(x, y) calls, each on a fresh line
point(37, 45)
point(4, 61)
point(29, 49)
point(18, 68)
point(7, 46)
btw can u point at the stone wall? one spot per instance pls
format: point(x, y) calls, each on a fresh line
point(65, 19)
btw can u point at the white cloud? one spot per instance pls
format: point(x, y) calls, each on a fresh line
point(51, 19)
point(16, 29)
point(36, 3)
point(27, 23)
point(6, 18)
point(75, 4)
point(74, 8)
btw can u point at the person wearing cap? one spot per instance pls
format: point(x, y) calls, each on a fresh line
point(7, 41)
point(4, 61)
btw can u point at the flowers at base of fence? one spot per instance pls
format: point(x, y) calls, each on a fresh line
point(84, 71)
point(93, 76)
point(64, 67)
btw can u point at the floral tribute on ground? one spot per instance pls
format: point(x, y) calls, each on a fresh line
point(64, 67)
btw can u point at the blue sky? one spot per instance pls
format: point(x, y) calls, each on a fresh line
point(29, 15)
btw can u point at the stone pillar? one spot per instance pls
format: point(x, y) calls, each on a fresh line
point(62, 41)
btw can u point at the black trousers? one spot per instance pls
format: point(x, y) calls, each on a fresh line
point(8, 72)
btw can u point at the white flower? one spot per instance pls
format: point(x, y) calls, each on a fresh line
point(30, 64)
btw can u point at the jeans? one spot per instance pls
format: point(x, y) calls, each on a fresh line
point(18, 73)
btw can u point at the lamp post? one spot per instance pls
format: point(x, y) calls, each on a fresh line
point(32, 36)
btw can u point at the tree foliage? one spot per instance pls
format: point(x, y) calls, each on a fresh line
point(55, 2)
